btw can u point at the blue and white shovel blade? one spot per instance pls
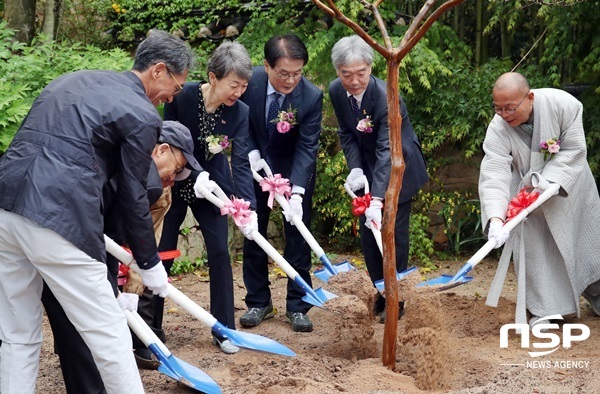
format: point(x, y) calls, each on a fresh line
point(399, 276)
point(318, 297)
point(185, 373)
point(323, 274)
point(344, 266)
point(251, 341)
point(446, 281)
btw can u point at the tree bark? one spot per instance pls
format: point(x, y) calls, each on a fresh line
point(20, 15)
point(51, 18)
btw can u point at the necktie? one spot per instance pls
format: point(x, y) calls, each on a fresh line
point(272, 115)
point(355, 108)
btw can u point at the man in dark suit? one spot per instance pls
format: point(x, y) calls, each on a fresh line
point(360, 104)
point(292, 152)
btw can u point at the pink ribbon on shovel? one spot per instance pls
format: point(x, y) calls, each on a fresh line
point(522, 200)
point(275, 185)
point(238, 209)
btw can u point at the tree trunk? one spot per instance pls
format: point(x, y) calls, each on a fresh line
point(392, 195)
point(51, 18)
point(20, 15)
point(478, 33)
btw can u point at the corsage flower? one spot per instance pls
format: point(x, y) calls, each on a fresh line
point(216, 144)
point(285, 120)
point(549, 147)
point(365, 125)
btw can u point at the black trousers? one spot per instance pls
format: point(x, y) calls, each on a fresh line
point(297, 253)
point(215, 231)
point(373, 257)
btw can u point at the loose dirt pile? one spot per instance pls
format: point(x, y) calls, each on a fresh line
point(439, 333)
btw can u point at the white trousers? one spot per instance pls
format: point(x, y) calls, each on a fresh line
point(29, 254)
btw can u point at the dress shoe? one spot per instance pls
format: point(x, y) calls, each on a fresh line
point(400, 313)
point(300, 322)
point(144, 359)
point(226, 346)
point(254, 316)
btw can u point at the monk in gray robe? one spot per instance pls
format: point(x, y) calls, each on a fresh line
point(537, 137)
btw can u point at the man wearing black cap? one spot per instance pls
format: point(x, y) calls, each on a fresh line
point(170, 156)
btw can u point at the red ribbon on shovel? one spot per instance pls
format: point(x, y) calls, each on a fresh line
point(522, 200)
point(359, 206)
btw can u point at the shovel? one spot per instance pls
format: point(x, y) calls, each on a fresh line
point(169, 364)
point(377, 235)
point(238, 338)
point(460, 277)
point(315, 297)
point(330, 269)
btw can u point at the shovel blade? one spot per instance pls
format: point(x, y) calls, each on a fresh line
point(318, 297)
point(446, 282)
point(332, 269)
point(399, 276)
point(185, 373)
point(251, 341)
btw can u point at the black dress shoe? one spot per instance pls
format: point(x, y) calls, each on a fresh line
point(400, 313)
point(300, 322)
point(254, 316)
point(379, 305)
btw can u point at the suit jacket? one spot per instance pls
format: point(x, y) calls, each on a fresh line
point(293, 154)
point(371, 151)
point(235, 180)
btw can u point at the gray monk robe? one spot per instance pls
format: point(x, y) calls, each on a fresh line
point(557, 243)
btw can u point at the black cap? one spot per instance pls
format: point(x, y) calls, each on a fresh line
point(180, 137)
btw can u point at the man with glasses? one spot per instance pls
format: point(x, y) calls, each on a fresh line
point(172, 159)
point(358, 97)
point(292, 152)
point(83, 129)
point(537, 139)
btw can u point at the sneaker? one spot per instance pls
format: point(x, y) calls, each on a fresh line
point(300, 322)
point(254, 316)
point(226, 346)
point(593, 300)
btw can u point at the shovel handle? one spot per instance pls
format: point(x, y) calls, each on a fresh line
point(173, 293)
point(143, 332)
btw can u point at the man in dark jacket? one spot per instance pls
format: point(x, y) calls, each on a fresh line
point(169, 158)
point(83, 129)
point(292, 152)
point(360, 104)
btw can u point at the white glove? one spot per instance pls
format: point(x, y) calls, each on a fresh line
point(128, 301)
point(203, 180)
point(295, 208)
point(254, 157)
point(355, 179)
point(373, 214)
point(249, 228)
point(156, 279)
point(539, 182)
point(498, 233)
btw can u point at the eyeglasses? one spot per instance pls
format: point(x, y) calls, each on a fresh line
point(286, 76)
point(179, 168)
point(508, 111)
point(179, 87)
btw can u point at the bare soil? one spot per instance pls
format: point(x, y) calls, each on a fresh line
point(447, 342)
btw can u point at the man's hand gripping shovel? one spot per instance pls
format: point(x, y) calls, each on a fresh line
point(239, 207)
point(460, 278)
point(241, 339)
point(362, 201)
point(272, 185)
